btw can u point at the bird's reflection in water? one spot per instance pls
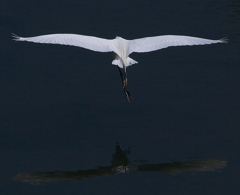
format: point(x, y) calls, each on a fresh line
point(121, 164)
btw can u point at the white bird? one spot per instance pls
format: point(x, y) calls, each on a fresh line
point(120, 46)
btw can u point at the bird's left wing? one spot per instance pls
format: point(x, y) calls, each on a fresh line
point(159, 42)
point(87, 42)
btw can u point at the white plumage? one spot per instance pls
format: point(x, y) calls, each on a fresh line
point(122, 47)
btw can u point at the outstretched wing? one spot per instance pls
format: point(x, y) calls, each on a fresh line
point(87, 42)
point(159, 42)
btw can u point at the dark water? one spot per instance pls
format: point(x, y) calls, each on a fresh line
point(63, 109)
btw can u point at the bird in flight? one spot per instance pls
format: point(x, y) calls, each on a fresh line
point(120, 46)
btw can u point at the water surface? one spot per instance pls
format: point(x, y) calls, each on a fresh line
point(63, 108)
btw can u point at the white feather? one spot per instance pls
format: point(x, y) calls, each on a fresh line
point(149, 44)
point(87, 42)
point(120, 46)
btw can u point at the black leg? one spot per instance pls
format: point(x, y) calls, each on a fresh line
point(125, 81)
point(128, 95)
point(123, 76)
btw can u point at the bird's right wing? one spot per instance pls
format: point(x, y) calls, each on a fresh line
point(159, 42)
point(87, 42)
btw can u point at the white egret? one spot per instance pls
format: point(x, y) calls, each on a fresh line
point(120, 46)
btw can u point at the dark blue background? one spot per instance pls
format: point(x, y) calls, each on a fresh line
point(62, 108)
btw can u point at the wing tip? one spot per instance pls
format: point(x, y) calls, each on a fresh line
point(224, 40)
point(16, 37)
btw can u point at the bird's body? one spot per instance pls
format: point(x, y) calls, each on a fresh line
point(120, 46)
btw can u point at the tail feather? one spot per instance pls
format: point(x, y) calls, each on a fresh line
point(131, 61)
point(117, 61)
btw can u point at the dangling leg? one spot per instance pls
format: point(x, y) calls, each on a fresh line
point(124, 78)
point(121, 75)
point(124, 82)
point(127, 94)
